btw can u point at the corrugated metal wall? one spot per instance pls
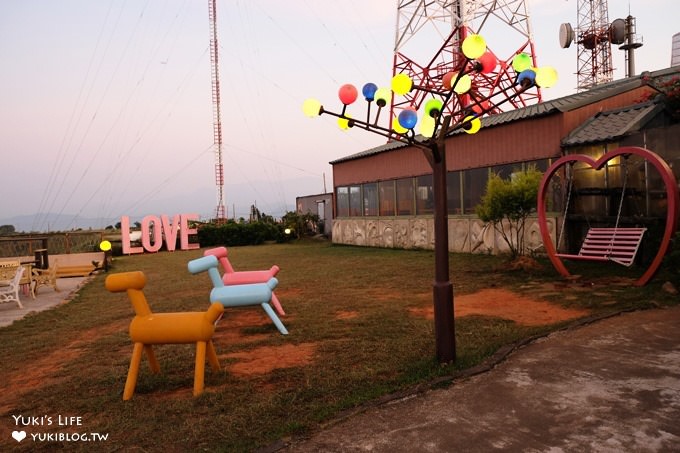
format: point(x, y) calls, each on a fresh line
point(515, 142)
point(519, 141)
point(399, 163)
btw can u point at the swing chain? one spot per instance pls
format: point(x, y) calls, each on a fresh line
point(566, 205)
point(623, 191)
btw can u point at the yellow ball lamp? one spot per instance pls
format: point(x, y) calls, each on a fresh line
point(472, 124)
point(401, 84)
point(398, 128)
point(311, 107)
point(546, 77)
point(474, 46)
point(344, 123)
point(383, 96)
point(427, 126)
point(463, 85)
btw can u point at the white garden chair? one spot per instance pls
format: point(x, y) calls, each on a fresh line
point(10, 292)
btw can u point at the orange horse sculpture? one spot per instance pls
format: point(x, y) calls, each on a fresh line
point(147, 329)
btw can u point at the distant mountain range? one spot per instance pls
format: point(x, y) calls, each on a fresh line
point(57, 222)
point(199, 201)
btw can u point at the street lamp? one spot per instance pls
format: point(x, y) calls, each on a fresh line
point(435, 126)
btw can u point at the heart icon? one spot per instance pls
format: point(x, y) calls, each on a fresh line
point(19, 435)
point(672, 199)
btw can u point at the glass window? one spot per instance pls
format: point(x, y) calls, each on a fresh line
point(453, 192)
point(370, 199)
point(558, 190)
point(405, 196)
point(541, 165)
point(342, 201)
point(631, 176)
point(424, 195)
point(588, 192)
point(474, 187)
point(505, 171)
point(386, 196)
point(354, 201)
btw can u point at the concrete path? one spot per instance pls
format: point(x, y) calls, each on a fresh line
point(46, 298)
point(611, 386)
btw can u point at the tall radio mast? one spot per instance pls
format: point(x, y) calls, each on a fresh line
point(217, 119)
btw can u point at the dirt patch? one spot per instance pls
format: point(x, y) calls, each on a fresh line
point(229, 328)
point(259, 360)
point(524, 263)
point(507, 305)
point(346, 314)
point(288, 292)
point(44, 370)
point(265, 359)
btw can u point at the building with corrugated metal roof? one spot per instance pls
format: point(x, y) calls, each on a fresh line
point(383, 196)
point(320, 205)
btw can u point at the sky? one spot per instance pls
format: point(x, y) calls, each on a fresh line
point(106, 106)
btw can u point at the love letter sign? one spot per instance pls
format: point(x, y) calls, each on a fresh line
point(672, 199)
point(157, 230)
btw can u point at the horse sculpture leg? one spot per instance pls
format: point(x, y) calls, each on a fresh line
point(199, 372)
point(133, 372)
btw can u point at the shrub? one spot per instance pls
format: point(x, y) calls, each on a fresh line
point(510, 201)
point(232, 234)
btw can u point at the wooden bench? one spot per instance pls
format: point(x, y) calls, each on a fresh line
point(609, 244)
point(45, 277)
point(77, 264)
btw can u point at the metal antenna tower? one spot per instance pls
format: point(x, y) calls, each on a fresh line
point(217, 118)
point(594, 50)
point(425, 24)
point(594, 36)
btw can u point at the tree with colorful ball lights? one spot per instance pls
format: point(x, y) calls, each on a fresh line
point(453, 106)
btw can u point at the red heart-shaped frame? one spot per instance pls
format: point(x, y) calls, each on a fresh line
point(672, 198)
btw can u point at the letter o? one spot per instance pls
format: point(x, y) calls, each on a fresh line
point(148, 222)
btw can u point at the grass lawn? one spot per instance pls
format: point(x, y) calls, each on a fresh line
point(355, 336)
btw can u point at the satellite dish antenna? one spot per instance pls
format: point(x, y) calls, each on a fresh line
point(617, 31)
point(566, 35)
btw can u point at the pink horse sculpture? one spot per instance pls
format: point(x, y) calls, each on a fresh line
point(232, 277)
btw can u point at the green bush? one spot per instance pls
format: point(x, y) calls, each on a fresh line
point(508, 203)
point(299, 225)
point(233, 234)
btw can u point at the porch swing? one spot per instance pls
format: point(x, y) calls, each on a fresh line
point(617, 244)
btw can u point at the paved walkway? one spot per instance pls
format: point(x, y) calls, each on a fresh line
point(45, 299)
point(611, 386)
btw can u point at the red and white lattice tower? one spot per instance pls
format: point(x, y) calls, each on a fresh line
point(594, 36)
point(594, 49)
point(428, 41)
point(220, 214)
